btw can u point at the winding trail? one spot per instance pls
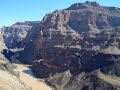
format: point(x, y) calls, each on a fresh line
point(27, 76)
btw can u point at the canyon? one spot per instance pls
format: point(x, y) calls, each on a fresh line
point(76, 48)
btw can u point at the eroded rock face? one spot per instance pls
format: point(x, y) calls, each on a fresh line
point(33, 42)
point(65, 26)
point(82, 17)
point(82, 81)
point(13, 35)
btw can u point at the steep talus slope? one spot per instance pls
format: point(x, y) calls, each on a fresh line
point(10, 82)
point(13, 35)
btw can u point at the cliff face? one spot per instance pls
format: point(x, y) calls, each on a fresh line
point(32, 42)
point(82, 17)
point(65, 26)
point(13, 35)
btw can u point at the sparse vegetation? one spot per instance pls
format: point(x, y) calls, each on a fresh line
point(17, 74)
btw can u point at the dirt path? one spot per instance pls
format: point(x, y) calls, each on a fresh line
point(27, 77)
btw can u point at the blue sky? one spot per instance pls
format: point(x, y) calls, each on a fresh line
point(13, 11)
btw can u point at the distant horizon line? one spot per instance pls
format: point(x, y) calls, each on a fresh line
point(20, 22)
